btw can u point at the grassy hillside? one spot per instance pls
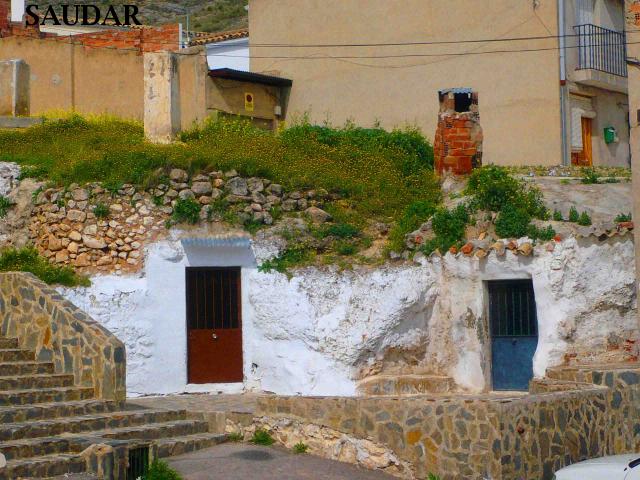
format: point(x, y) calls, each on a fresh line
point(210, 16)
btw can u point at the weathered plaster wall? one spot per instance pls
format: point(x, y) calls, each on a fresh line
point(402, 86)
point(321, 331)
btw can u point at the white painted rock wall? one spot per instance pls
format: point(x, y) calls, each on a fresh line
point(317, 332)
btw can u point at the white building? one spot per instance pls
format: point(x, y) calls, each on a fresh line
point(226, 49)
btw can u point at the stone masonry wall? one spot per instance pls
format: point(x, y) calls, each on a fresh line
point(59, 332)
point(66, 230)
point(482, 436)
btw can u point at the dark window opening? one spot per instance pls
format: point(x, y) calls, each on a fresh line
point(138, 463)
point(463, 102)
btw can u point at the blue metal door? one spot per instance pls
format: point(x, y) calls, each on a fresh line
point(514, 333)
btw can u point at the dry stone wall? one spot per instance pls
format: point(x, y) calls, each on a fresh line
point(95, 229)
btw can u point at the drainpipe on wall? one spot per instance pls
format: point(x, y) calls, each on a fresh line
point(564, 91)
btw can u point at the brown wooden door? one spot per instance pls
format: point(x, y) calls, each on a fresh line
point(585, 157)
point(214, 325)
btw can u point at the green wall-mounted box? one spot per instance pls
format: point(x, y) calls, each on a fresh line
point(610, 135)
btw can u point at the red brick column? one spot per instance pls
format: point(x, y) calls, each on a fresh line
point(5, 18)
point(458, 140)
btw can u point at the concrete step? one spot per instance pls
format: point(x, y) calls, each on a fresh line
point(8, 369)
point(29, 382)
point(17, 355)
point(76, 443)
point(43, 467)
point(47, 411)
point(6, 342)
point(399, 385)
point(171, 447)
point(63, 394)
point(87, 423)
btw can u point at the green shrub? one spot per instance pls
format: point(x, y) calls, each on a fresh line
point(449, 229)
point(512, 222)
point(158, 201)
point(186, 211)
point(574, 216)
point(251, 225)
point(160, 470)
point(584, 220)
point(557, 216)
point(5, 205)
point(235, 437)
point(28, 260)
point(432, 476)
point(300, 447)
point(101, 210)
point(413, 216)
point(113, 186)
point(340, 230)
point(416, 152)
point(589, 176)
point(545, 234)
point(217, 207)
point(624, 217)
point(294, 255)
point(346, 248)
point(262, 437)
point(492, 188)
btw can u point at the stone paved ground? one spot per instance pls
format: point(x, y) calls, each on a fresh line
point(231, 461)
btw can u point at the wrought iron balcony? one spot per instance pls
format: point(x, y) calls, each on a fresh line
point(601, 49)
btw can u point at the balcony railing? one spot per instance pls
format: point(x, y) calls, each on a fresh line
point(601, 49)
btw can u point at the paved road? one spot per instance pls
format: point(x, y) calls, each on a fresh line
point(231, 461)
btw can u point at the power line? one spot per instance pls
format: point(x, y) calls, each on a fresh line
point(414, 55)
point(70, 41)
point(408, 44)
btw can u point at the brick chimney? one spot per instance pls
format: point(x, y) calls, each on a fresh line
point(458, 141)
point(5, 17)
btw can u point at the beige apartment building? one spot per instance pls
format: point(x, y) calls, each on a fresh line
point(549, 76)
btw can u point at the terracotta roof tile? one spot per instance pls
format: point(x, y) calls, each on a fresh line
point(203, 38)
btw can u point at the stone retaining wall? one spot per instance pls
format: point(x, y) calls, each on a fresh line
point(481, 436)
point(59, 332)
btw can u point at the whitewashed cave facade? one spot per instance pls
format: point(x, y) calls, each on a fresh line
point(322, 331)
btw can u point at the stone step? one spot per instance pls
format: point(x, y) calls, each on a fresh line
point(43, 467)
point(64, 394)
point(170, 447)
point(8, 342)
point(17, 355)
point(36, 447)
point(399, 385)
point(47, 411)
point(87, 423)
point(29, 382)
point(153, 431)
point(75, 443)
point(8, 369)
point(61, 464)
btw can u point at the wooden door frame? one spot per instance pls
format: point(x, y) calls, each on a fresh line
point(186, 306)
